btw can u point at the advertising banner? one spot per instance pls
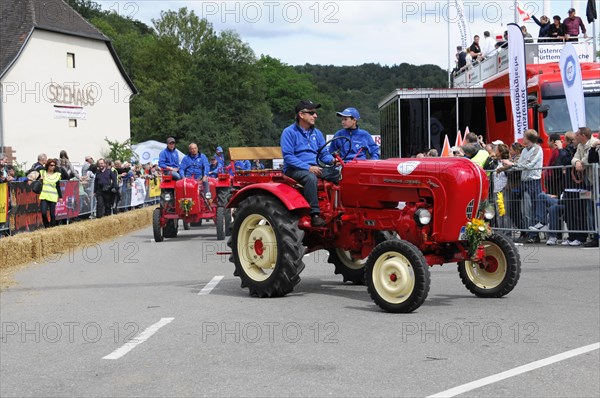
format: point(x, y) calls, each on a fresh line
point(570, 71)
point(517, 79)
point(25, 214)
point(138, 192)
point(154, 188)
point(68, 205)
point(3, 203)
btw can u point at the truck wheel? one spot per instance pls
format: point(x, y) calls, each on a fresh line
point(158, 235)
point(170, 229)
point(220, 223)
point(266, 246)
point(351, 269)
point(499, 276)
point(397, 276)
point(186, 226)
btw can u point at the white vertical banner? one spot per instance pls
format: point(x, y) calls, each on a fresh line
point(570, 71)
point(517, 79)
point(461, 22)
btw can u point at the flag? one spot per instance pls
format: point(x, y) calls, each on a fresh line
point(570, 71)
point(517, 79)
point(590, 11)
point(459, 139)
point(446, 148)
point(522, 14)
point(460, 22)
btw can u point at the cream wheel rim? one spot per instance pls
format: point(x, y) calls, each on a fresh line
point(484, 278)
point(346, 258)
point(257, 247)
point(393, 277)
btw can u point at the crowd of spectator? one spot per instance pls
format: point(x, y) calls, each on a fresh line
point(558, 30)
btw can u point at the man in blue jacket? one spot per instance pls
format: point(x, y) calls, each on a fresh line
point(168, 159)
point(361, 141)
point(299, 145)
point(195, 165)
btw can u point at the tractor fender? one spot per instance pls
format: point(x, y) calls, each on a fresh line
point(290, 197)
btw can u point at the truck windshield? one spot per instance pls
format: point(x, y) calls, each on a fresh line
point(558, 120)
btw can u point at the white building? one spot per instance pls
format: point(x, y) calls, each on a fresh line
point(62, 84)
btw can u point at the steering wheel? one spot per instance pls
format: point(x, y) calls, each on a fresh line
point(336, 154)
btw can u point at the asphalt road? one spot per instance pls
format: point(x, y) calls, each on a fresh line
point(65, 318)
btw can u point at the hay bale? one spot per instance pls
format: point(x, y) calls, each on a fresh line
point(34, 246)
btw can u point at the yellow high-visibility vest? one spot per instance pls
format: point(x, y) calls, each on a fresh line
point(49, 190)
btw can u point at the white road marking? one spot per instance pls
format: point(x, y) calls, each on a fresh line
point(516, 371)
point(145, 335)
point(211, 285)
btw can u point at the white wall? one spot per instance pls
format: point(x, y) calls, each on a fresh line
point(30, 125)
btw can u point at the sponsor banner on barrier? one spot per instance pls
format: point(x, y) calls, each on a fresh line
point(154, 187)
point(3, 203)
point(68, 205)
point(138, 192)
point(25, 214)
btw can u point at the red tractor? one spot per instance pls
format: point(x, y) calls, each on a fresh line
point(387, 221)
point(183, 199)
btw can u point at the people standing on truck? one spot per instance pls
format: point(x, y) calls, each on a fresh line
point(168, 160)
point(360, 142)
point(572, 25)
point(50, 192)
point(544, 24)
point(299, 145)
point(526, 35)
point(488, 45)
point(105, 186)
point(195, 165)
point(556, 31)
point(461, 59)
point(530, 163)
point(475, 50)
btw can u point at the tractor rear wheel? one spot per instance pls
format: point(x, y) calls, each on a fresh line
point(170, 229)
point(397, 276)
point(266, 246)
point(500, 273)
point(158, 235)
point(220, 223)
point(351, 269)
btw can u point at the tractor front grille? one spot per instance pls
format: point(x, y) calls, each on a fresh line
point(470, 209)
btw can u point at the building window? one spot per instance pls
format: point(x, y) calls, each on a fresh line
point(70, 60)
point(72, 122)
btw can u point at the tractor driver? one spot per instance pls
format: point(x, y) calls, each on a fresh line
point(299, 145)
point(362, 141)
point(195, 165)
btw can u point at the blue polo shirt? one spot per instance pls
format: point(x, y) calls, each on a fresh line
point(195, 166)
point(359, 139)
point(299, 148)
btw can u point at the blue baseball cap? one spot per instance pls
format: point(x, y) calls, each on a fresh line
point(219, 149)
point(349, 112)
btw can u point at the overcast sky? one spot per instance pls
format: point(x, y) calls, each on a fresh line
point(353, 32)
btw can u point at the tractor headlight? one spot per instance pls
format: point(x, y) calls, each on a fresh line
point(423, 216)
point(167, 197)
point(489, 212)
point(208, 195)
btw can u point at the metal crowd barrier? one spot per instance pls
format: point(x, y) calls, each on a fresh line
point(19, 205)
point(565, 201)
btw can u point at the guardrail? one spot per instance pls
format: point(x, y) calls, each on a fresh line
point(20, 212)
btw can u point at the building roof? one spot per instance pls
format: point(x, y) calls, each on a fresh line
point(21, 17)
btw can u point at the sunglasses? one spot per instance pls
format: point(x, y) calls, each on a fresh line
point(51, 164)
point(312, 113)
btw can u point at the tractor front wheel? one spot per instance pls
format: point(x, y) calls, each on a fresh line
point(397, 276)
point(158, 233)
point(498, 274)
point(220, 223)
point(266, 246)
point(171, 228)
